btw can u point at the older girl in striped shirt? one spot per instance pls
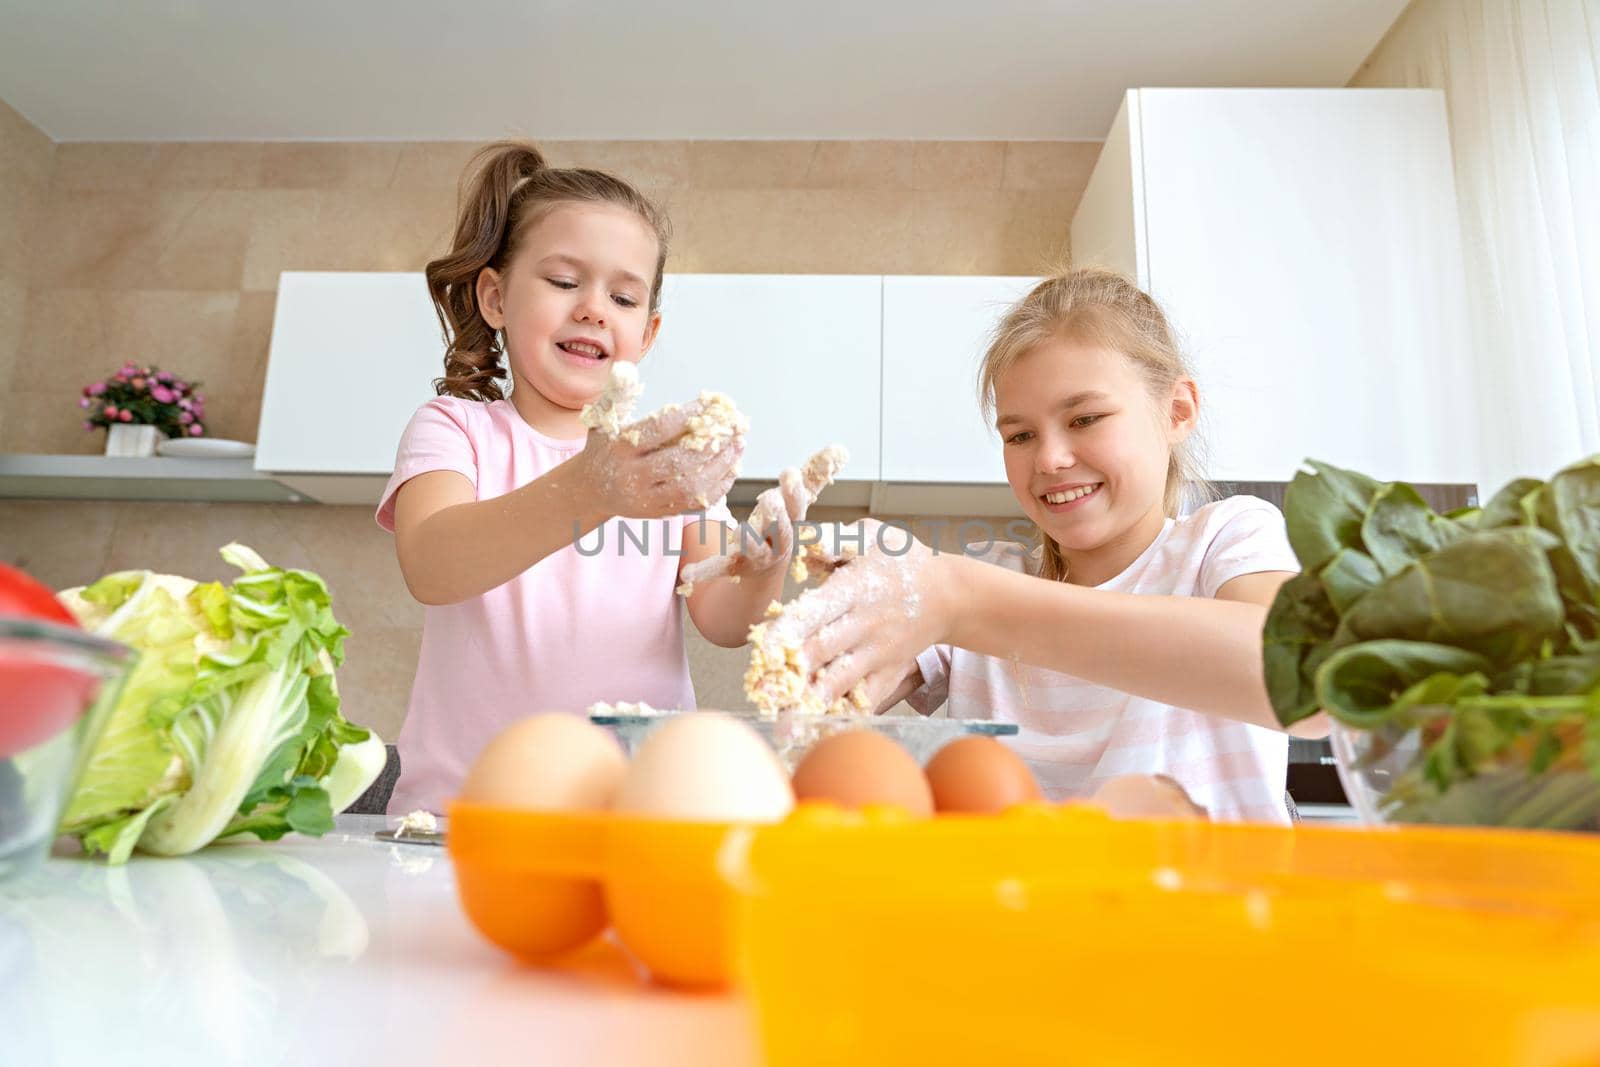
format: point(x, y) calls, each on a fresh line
point(1128, 640)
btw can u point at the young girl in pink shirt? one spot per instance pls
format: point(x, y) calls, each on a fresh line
point(1129, 640)
point(507, 514)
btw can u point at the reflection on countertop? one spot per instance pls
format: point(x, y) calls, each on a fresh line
point(342, 949)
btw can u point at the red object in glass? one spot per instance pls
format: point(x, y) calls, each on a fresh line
point(26, 598)
point(38, 699)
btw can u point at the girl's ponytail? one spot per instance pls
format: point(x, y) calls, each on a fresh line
point(484, 223)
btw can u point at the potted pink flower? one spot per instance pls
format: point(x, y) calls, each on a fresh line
point(138, 404)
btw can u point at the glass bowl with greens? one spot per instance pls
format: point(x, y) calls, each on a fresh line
point(1392, 773)
point(57, 686)
point(1458, 655)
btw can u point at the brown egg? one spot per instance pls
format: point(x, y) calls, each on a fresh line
point(858, 768)
point(1146, 796)
point(980, 776)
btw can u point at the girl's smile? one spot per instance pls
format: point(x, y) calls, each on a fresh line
point(583, 352)
point(1063, 497)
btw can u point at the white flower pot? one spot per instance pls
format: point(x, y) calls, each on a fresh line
point(129, 439)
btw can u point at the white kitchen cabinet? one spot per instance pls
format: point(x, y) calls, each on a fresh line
point(353, 355)
point(1306, 245)
point(799, 354)
point(884, 366)
point(935, 330)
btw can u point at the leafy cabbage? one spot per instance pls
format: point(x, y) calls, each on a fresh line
point(229, 723)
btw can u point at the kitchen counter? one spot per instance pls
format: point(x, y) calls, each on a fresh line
point(338, 950)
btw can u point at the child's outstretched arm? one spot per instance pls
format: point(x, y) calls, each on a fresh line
point(1191, 652)
point(452, 546)
point(755, 555)
point(723, 611)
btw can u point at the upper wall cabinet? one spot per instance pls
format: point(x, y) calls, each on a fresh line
point(1306, 245)
point(353, 356)
point(798, 353)
point(935, 330)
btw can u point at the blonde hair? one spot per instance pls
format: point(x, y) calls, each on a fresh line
point(1103, 307)
point(506, 187)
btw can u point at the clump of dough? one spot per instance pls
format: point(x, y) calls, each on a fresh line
point(417, 822)
point(614, 406)
point(717, 423)
point(820, 470)
point(775, 680)
point(816, 560)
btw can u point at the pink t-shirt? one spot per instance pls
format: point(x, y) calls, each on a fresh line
point(596, 620)
point(1074, 735)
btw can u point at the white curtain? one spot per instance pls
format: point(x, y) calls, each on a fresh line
point(1521, 80)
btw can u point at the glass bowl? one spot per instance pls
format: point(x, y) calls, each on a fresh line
point(57, 688)
point(791, 734)
point(1382, 771)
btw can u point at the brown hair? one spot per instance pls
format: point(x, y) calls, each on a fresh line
point(1090, 303)
point(506, 188)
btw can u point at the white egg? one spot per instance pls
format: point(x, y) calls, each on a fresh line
point(547, 762)
point(706, 767)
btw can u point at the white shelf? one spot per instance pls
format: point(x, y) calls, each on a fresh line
point(61, 477)
point(68, 477)
point(52, 477)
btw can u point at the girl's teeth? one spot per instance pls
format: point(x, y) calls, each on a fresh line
point(583, 350)
point(1070, 495)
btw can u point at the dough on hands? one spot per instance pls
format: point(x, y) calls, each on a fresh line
point(717, 422)
point(819, 472)
point(800, 487)
point(614, 406)
point(775, 679)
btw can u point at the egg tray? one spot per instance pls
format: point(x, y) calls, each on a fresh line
point(873, 938)
point(541, 885)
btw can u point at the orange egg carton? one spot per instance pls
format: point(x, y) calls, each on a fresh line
point(543, 884)
point(1058, 935)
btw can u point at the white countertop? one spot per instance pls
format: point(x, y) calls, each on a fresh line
point(339, 950)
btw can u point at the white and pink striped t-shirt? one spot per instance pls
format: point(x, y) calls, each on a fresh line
point(595, 621)
point(1074, 735)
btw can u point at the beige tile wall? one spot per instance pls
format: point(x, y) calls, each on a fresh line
point(27, 160)
point(170, 253)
